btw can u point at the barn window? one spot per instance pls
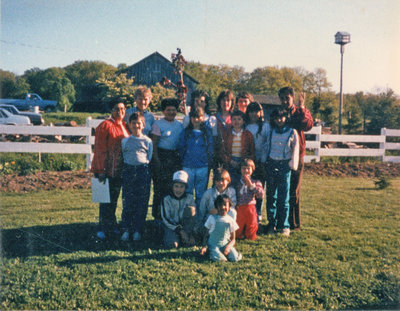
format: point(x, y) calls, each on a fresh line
point(157, 68)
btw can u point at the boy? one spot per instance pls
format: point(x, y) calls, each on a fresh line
point(178, 213)
point(221, 181)
point(247, 190)
point(165, 135)
point(137, 151)
point(300, 119)
point(237, 144)
point(143, 98)
point(243, 100)
point(283, 157)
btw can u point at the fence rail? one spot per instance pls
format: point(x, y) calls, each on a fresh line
point(318, 146)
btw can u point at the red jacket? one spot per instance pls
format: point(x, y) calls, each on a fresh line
point(301, 120)
point(225, 150)
point(107, 148)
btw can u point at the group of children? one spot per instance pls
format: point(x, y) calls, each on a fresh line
point(242, 150)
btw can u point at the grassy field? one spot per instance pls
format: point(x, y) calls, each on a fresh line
point(346, 257)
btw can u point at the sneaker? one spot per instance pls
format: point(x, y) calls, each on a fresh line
point(286, 232)
point(125, 236)
point(136, 236)
point(270, 230)
point(101, 235)
point(239, 257)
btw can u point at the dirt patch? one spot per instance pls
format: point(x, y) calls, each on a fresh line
point(81, 179)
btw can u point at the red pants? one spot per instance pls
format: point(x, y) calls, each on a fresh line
point(247, 222)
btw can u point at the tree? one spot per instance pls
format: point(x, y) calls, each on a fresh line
point(53, 84)
point(118, 87)
point(12, 86)
point(385, 111)
point(83, 75)
point(159, 92)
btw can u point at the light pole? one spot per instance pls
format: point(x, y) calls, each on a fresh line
point(342, 38)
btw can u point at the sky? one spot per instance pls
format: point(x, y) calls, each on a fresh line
point(247, 33)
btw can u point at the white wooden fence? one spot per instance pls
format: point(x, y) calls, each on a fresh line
point(86, 148)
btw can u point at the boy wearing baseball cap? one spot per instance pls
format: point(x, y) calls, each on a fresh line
point(178, 212)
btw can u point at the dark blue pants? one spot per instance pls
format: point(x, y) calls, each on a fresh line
point(136, 181)
point(278, 185)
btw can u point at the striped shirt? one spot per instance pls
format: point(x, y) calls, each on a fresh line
point(237, 144)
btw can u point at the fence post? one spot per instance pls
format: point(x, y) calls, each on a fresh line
point(88, 156)
point(318, 139)
point(383, 145)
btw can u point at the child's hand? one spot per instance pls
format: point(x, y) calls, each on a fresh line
point(247, 181)
point(302, 99)
point(227, 250)
point(203, 250)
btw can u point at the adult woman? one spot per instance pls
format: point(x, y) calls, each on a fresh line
point(107, 164)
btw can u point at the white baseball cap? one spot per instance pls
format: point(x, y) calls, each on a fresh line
point(181, 176)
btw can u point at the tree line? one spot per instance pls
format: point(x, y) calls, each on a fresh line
point(90, 85)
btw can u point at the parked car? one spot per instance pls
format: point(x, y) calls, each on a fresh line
point(36, 118)
point(31, 100)
point(7, 118)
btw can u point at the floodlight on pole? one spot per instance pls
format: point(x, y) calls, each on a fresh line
point(342, 38)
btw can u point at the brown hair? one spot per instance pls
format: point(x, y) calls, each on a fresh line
point(222, 95)
point(248, 162)
point(220, 174)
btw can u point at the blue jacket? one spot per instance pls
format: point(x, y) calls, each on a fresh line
point(195, 151)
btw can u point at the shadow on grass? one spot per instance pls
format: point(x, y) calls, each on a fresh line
point(70, 238)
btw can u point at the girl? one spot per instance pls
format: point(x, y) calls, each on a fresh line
point(221, 233)
point(195, 150)
point(261, 133)
point(283, 155)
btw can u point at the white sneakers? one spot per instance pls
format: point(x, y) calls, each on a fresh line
point(125, 236)
point(135, 237)
point(101, 235)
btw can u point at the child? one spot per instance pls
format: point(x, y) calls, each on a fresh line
point(221, 228)
point(237, 144)
point(196, 149)
point(221, 186)
point(200, 99)
point(301, 120)
point(165, 135)
point(178, 213)
point(261, 133)
point(243, 100)
point(247, 190)
point(143, 98)
point(283, 155)
point(137, 151)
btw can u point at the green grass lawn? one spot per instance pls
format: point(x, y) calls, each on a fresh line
point(346, 257)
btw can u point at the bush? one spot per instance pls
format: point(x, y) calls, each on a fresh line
point(29, 163)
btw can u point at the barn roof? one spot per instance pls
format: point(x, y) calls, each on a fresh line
point(166, 60)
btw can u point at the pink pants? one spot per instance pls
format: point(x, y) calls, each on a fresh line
point(247, 222)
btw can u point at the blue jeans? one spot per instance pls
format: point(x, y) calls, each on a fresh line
point(107, 219)
point(136, 181)
point(278, 186)
point(217, 254)
point(198, 181)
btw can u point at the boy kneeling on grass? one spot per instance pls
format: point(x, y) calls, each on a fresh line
point(221, 232)
point(178, 212)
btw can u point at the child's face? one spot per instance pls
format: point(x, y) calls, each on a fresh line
point(221, 184)
point(246, 170)
point(280, 121)
point(243, 103)
point(225, 104)
point(237, 123)
point(178, 189)
point(136, 127)
point(197, 121)
point(286, 101)
point(200, 102)
point(254, 116)
point(170, 113)
point(224, 208)
point(142, 102)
